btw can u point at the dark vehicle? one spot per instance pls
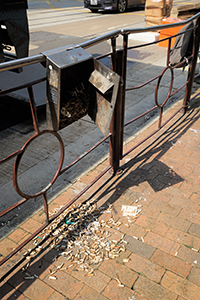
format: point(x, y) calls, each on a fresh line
point(119, 5)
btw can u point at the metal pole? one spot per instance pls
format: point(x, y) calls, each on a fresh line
point(116, 122)
point(124, 67)
point(33, 109)
point(46, 207)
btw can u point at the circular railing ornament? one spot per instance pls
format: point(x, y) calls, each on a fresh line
point(19, 157)
point(170, 88)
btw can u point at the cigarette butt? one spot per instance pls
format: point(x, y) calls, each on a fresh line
point(53, 277)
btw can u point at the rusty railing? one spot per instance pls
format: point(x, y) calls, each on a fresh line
point(119, 65)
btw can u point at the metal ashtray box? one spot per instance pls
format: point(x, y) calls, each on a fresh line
point(67, 87)
point(77, 85)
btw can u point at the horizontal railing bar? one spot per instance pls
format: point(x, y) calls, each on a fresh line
point(159, 41)
point(153, 133)
point(21, 62)
point(158, 27)
point(143, 84)
point(54, 217)
point(176, 91)
point(104, 55)
point(11, 156)
point(84, 154)
point(25, 85)
point(11, 254)
point(138, 117)
point(99, 39)
point(81, 193)
point(17, 204)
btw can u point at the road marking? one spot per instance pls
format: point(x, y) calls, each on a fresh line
point(50, 4)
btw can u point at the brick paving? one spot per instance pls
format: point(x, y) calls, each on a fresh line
point(162, 242)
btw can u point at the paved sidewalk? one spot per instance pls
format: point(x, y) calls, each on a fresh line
point(156, 254)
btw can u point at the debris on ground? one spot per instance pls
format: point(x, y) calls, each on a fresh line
point(82, 238)
point(132, 211)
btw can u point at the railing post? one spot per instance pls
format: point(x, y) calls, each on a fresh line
point(33, 109)
point(191, 72)
point(46, 207)
point(118, 64)
point(124, 66)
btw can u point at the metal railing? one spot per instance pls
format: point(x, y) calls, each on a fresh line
point(119, 65)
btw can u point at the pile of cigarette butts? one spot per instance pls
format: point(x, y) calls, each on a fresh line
point(85, 240)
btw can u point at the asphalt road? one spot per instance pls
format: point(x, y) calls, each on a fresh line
point(55, 4)
point(40, 4)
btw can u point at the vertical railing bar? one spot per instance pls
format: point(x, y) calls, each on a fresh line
point(45, 207)
point(124, 68)
point(120, 63)
point(154, 132)
point(116, 121)
point(168, 51)
point(160, 117)
point(113, 54)
point(54, 216)
point(112, 123)
point(33, 109)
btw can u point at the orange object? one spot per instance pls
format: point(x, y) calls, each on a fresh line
point(165, 33)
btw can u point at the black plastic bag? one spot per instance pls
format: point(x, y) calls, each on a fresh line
point(183, 46)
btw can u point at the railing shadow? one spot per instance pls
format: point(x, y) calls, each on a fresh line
point(158, 175)
point(154, 171)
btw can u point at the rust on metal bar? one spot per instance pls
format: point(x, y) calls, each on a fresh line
point(4, 160)
point(81, 193)
point(17, 204)
point(33, 109)
point(168, 50)
point(160, 117)
point(153, 133)
point(12, 253)
point(141, 115)
point(118, 64)
point(54, 217)
point(143, 84)
point(124, 71)
point(19, 157)
point(84, 154)
point(7, 91)
point(116, 121)
point(44, 196)
point(180, 88)
point(158, 84)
